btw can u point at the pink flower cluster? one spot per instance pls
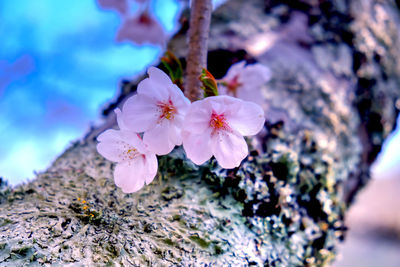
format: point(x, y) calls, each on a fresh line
point(159, 117)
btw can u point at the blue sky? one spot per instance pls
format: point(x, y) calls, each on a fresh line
point(59, 65)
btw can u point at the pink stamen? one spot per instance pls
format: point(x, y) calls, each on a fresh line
point(167, 110)
point(218, 122)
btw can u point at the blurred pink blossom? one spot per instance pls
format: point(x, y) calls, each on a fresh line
point(158, 110)
point(216, 126)
point(121, 6)
point(142, 29)
point(245, 81)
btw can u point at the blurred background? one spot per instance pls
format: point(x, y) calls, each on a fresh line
point(59, 64)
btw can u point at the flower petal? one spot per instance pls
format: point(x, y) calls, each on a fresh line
point(248, 119)
point(235, 70)
point(120, 120)
point(158, 139)
point(140, 113)
point(153, 90)
point(120, 6)
point(151, 167)
point(255, 75)
point(160, 77)
point(197, 119)
point(110, 145)
point(229, 149)
point(197, 146)
point(130, 175)
point(251, 95)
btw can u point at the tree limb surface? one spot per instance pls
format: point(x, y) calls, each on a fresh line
point(332, 101)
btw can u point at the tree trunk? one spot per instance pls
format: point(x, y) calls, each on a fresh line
point(333, 99)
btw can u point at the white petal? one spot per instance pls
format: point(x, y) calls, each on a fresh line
point(140, 113)
point(151, 166)
point(154, 90)
point(197, 119)
point(130, 175)
point(120, 120)
point(251, 94)
point(255, 75)
point(174, 135)
point(158, 140)
point(109, 151)
point(234, 70)
point(109, 135)
point(110, 146)
point(224, 104)
point(179, 100)
point(159, 76)
point(114, 144)
point(229, 149)
point(197, 146)
point(248, 119)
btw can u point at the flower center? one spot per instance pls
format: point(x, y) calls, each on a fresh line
point(129, 152)
point(167, 110)
point(233, 85)
point(145, 19)
point(218, 122)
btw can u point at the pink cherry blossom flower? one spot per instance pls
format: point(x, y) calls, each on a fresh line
point(158, 110)
point(142, 29)
point(216, 126)
point(121, 6)
point(136, 165)
point(245, 81)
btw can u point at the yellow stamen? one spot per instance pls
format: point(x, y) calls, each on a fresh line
point(218, 122)
point(167, 110)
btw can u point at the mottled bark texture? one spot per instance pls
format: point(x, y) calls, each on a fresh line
point(331, 103)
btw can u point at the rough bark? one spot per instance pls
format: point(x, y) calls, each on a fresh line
point(333, 100)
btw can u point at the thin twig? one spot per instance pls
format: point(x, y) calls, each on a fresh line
point(198, 46)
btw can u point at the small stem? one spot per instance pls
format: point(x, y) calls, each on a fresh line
point(200, 18)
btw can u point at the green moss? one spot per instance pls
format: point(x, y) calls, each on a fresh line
point(4, 222)
point(199, 241)
point(169, 242)
point(218, 250)
point(22, 251)
point(114, 252)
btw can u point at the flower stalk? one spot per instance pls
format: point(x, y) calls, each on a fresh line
point(199, 28)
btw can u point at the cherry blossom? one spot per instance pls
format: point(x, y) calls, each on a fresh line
point(245, 81)
point(136, 165)
point(158, 110)
point(142, 29)
point(121, 6)
point(216, 126)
